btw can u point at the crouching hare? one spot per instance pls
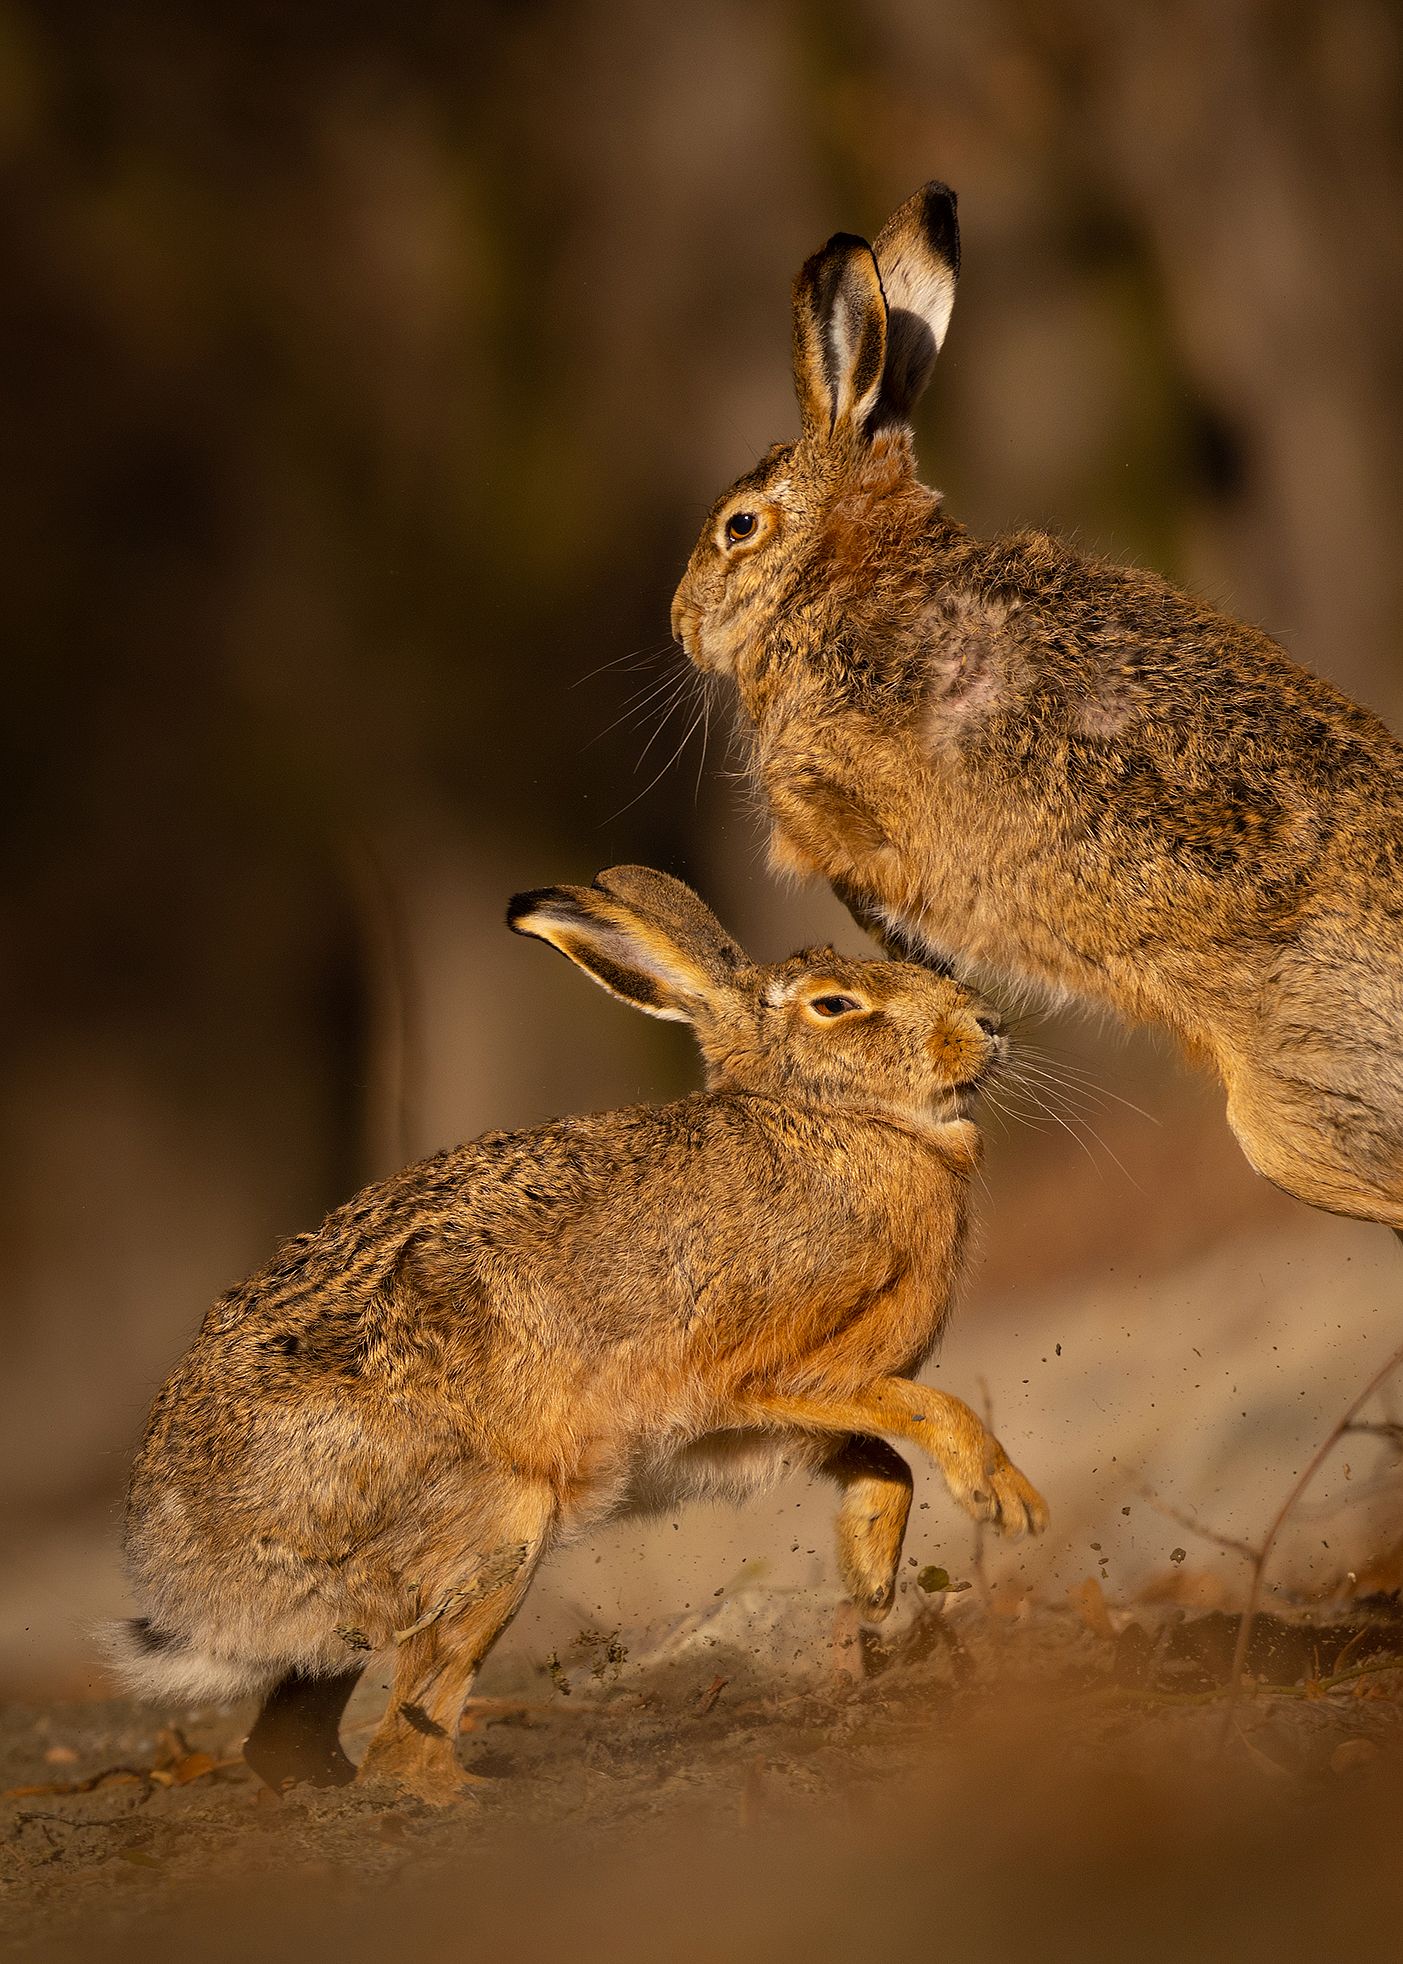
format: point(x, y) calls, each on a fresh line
point(373, 1442)
point(1006, 754)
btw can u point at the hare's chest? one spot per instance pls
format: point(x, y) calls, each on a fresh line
point(892, 1330)
point(847, 1283)
point(840, 799)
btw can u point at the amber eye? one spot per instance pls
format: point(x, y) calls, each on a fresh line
point(740, 525)
point(833, 1005)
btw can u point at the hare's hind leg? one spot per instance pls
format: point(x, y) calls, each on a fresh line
point(416, 1743)
point(296, 1735)
point(876, 1489)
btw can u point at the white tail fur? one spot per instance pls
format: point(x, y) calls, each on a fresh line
point(168, 1669)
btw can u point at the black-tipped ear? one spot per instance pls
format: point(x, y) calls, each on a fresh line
point(918, 254)
point(639, 945)
point(840, 336)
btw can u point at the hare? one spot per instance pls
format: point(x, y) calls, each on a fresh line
point(374, 1441)
point(1007, 757)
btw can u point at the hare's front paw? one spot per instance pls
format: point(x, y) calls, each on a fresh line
point(870, 1579)
point(1018, 1506)
point(999, 1493)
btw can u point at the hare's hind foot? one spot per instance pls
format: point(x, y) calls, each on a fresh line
point(415, 1744)
point(295, 1737)
point(424, 1764)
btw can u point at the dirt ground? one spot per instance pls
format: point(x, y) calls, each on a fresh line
point(767, 1779)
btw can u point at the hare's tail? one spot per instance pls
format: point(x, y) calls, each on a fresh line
point(171, 1669)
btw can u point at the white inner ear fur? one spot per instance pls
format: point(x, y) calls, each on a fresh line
point(920, 284)
point(845, 327)
point(575, 943)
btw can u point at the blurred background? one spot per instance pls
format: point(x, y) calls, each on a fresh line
point(367, 372)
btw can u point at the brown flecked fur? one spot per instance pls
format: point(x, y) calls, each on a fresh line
point(374, 1440)
point(1011, 757)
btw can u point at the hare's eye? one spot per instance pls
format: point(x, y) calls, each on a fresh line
point(833, 1005)
point(740, 525)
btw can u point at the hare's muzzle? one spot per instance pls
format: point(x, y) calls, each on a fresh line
point(684, 627)
point(968, 1051)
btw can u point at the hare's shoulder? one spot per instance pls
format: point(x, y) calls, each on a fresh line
point(1077, 603)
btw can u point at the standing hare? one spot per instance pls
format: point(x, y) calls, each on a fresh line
point(1026, 760)
point(373, 1442)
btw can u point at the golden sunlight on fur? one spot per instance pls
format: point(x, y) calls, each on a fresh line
point(374, 1441)
point(1046, 767)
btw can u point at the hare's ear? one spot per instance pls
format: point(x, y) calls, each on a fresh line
point(840, 336)
point(918, 255)
point(643, 936)
point(675, 911)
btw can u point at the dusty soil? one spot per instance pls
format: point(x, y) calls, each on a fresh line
point(767, 1780)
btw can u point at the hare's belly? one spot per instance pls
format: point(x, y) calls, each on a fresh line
point(728, 1465)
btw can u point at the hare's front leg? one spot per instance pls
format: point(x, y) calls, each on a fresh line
point(977, 1470)
point(876, 1487)
point(416, 1742)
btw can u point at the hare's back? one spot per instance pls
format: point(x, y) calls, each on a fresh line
point(1131, 648)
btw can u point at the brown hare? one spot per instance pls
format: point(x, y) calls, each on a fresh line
point(1013, 758)
point(372, 1443)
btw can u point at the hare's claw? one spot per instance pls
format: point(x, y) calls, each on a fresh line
point(1003, 1497)
point(875, 1606)
point(1018, 1506)
point(872, 1588)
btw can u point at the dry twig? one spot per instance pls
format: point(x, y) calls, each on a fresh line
point(1263, 1554)
point(1182, 1517)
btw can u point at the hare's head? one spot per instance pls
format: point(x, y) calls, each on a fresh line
point(820, 1028)
point(819, 526)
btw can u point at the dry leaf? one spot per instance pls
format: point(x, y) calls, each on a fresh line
point(87, 1786)
point(194, 1766)
point(1352, 1754)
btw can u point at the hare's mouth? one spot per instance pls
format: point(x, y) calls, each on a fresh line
point(962, 1096)
point(955, 1101)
